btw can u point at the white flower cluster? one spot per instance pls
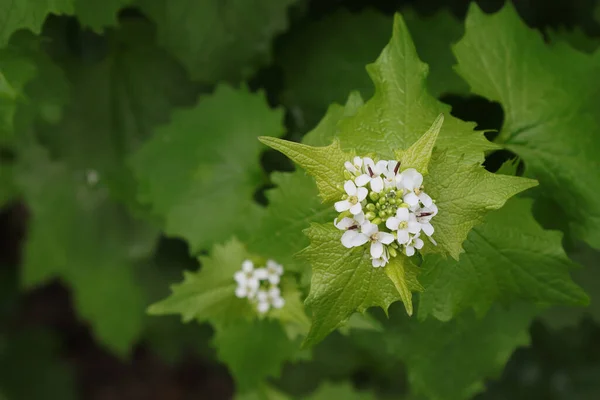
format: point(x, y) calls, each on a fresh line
point(385, 208)
point(260, 285)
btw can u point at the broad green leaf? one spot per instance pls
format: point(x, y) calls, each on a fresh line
point(209, 294)
point(433, 36)
point(218, 40)
point(464, 194)
point(343, 282)
point(550, 96)
point(115, 105)
point(508, 258)
point(403, 273)
point(327, 128)
point(200, 172)
point(328, 391)
point(78, 234)
point(402, 109)
point(16, 69)
point(325, 59)
point(293, 205)
point(28, 14)
point(31, 14)
point(575, 37)
point(253, 350)
point(418, 155)
point(358, 321)
point(326, 164)
point(460, 354)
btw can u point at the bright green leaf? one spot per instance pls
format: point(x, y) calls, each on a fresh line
point(326, 164)
point(460, 354)
point(403, 273)
point(218, 40)
point(550, 97)
point(507, 258)
point(293, 205)
point(209, 294)
point(253, 350)
point(418, 155)
point(433, 36)
point(464, 194)
point(343, 282)
point(401, 109)
point(207, 194)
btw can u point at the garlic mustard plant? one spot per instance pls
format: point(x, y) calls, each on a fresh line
point(384, 208)
point(260, 285)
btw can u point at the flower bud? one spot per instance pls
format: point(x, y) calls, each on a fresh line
point(377, 221)
point(370, 215)
point(374, 196)
point(371, 207)
point(392, 251)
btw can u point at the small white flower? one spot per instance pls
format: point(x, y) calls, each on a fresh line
point(274, 271)
point(381, 261)
point(424, 216)
point(372, 174)
point(391, 178)
point(263, 304)
point(414, 243)
point(261, 274)
point(246, 279)
point(412, 181)
point(355, 196)
point(404, 223)
point(351, 226)
point(370, 233)
point(354, 167)
point(275, 297)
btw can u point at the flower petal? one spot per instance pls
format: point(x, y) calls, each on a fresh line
point(361, 193)
point(369, 228)
point(360, 218)
point(357, 161)
point(377, 262)
point(418, 243)
point(262, 307)
point(392, 223)
point(377, 184)
point(241, 292)
point(274, 279)
point(385, 238)
point(411, 199)
point(414, 227)
point(350, 167)
point(402, 214)
point(350, 188)
point(261, 273)
point(240, 277)
point(410, 251)
point(348, 237)
point(247, 266)
point(376, 249)
point(362, 180)
point(356, 209)
point(381, 166)
point(359, 240)
point(427, 228)
point(262, 296)
point(425, 199)
point(274, 292)
point(344, 224)
point(342, 205)
point(403, 237)
point(278, 302)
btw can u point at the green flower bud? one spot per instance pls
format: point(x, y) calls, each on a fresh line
point(377, 221)
point(347, 174)
point(378, 206)
point(370, 215)
point(392, 251)
point(392, 201)
point(404, 205)
point(371, 207)
point(394, 244)
point(374, 196)
point(345, 214)
point(382, 200)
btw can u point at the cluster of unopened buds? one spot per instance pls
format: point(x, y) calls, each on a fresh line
point(384, 208)
point(260, 285)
